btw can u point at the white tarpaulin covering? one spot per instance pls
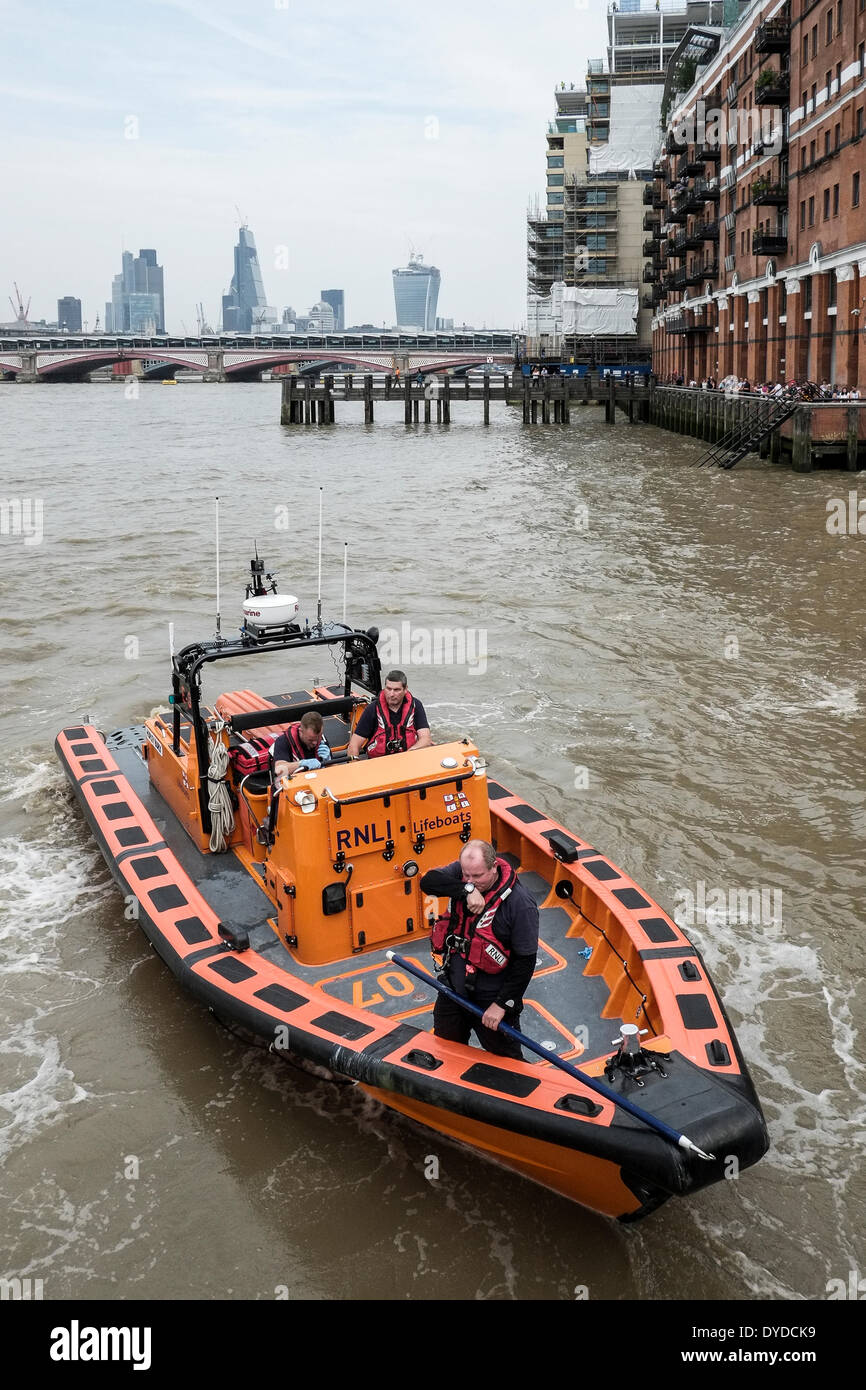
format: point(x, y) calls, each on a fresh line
point(599, 312)
point(635, 132)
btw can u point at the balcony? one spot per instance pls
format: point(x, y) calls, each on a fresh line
point(679, 278)
point(678, 212)
point(767, 194)
point(652, 197)
point(709, 192)
point(649, 247)
point(648, 301)
point(773, 36)
point(775, 143)
point(771, 88)
point(651, 223)
point(709, 231)
point(650, 275)
point(710, 154)
point(693, 164)
point(695, 276)
point(674, 145)
point(676, 325)
point(769, 243)
point(676, 251)
point(693, 238)
point(710, 270)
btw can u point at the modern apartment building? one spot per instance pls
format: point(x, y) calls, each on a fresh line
point(761, 267)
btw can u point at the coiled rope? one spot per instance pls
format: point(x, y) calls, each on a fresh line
point(219, 800)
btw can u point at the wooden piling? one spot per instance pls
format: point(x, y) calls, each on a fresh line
point(446, 400)
point(426, 409)
point(526, 401)
point(368, 399)
point(852, 416)
point(486, 398)
point(407, 402)
point(801, 457)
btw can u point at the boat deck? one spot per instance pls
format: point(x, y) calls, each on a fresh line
point(562, 1003)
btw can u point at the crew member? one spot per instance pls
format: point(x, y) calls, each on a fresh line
point(394, 723)
point(302, 745)
point(489, 942)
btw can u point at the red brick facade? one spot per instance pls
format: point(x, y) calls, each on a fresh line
point(761, 204)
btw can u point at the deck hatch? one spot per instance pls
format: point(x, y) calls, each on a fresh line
point(695, 1011)
point(510, 1083)
point(120, 810)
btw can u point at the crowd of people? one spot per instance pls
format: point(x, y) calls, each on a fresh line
point(788, 390)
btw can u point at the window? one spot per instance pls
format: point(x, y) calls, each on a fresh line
point(831, 289)
point(855, 190)
point(783, 297)
point(837, 135)
point(556, 198)
point(861, 54)
point(802, 156)
point(838, 75)
point(805, 54)
point(826, 142)
point(811, 151)
point(814, 90)
point(803, 100)
point(812, 211)
point(599, 267)
point(827, 76)
point(555, 180)
point(556, 161)
point(838, 16)
point(807, 294)
point(835, 199)
point(826, 203)
point(802, 214)
point(596, 241)
point(829, 18)
point(814, 39)
point(859, 120)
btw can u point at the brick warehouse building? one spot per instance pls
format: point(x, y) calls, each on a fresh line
point(758, 205)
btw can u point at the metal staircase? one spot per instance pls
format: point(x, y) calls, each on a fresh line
point(748, 433)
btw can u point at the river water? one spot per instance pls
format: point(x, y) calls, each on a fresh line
point(669, 659)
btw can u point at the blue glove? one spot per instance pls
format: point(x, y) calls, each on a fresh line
point(310, 763)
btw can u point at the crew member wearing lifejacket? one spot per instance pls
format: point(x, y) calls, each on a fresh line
point(394, 723)
point(489, 945)
point(302, 745)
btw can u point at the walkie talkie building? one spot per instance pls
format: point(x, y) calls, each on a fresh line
point(416, 294)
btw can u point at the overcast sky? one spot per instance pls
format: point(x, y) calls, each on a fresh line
point(342, 131)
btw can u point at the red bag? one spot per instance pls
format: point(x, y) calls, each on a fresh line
point(254, 755)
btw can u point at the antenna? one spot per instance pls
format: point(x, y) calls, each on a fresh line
point(218, 566)
point(319, 614)
point(345, 572)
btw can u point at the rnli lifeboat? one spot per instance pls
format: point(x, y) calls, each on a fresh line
point(297, 913)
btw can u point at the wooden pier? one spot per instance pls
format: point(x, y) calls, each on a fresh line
point(550, 400)
point(830, 433)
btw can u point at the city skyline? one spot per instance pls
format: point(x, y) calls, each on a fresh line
point(405, 141)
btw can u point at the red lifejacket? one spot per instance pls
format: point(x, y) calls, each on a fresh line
point(293, 734)
point(388, 730)
point(470, 934)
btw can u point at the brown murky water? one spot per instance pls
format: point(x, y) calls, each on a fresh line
point(673, 665)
